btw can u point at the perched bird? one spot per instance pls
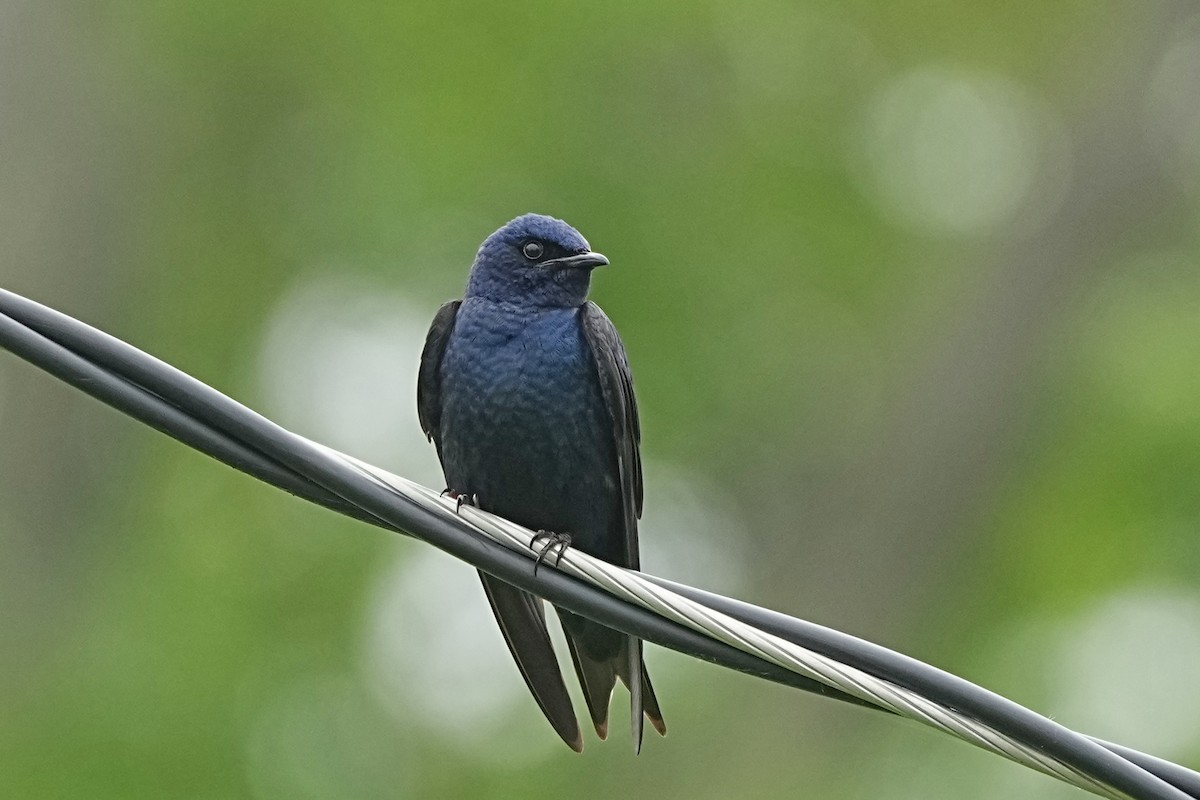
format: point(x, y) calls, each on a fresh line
point(525, 391)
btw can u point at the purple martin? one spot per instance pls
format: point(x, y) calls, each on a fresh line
point(525, 390)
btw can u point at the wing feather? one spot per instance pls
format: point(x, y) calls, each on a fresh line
point(616, 384)
point(429, 376)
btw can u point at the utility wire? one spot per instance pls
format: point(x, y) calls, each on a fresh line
point(718, 629)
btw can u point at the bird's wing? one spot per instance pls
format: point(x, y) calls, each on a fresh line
point(616, 384)
point(523, 624)
point(429, 378)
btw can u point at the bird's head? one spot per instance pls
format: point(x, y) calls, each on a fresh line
point(534, 260)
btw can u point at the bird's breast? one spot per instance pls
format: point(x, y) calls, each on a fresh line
point(516, 364)
point(523, 420)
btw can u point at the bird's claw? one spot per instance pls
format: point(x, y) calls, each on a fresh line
point(460, 498)
point(560, 540)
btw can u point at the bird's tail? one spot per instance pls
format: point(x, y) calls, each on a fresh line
point(631, 669)
point(598, 676)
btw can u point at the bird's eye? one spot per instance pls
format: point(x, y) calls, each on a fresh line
point(533, 250)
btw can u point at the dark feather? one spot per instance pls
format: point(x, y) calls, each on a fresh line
point(597, 677)
point(616, 385)
point(429, 379)
point(647, 698)
point(523, 623)
point(519, 614)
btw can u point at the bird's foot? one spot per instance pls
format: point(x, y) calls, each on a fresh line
point(560, 540)
point(460, 498)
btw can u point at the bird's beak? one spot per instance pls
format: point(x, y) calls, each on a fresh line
point(581, 261)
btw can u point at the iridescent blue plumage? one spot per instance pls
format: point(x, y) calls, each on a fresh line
point(526, 392)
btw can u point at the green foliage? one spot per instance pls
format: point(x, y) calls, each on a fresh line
point(938, 431)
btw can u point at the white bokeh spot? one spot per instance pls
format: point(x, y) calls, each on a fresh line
point(954, 153)
point(1173, 113)
point(433, 656)
point(1127, 671)
point(338, 364)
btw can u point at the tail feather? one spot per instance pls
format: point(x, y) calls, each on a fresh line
point(597, 679)
point(523, 623)
point(632, 658)
point(650, 704)
point(646, 701)
point(620, 657)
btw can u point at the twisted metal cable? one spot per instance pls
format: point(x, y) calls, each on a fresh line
point(633, 587)
point(719, 629)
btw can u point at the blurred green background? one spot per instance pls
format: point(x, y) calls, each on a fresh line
point(911, 296)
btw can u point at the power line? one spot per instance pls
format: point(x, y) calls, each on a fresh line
point(718, 629)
